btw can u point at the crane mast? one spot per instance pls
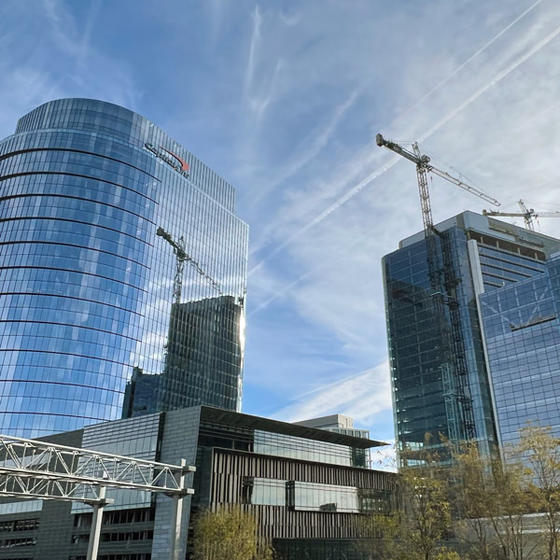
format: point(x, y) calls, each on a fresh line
point(181, 257)
point(528, 214)
point(443, 284)
point(423, 167)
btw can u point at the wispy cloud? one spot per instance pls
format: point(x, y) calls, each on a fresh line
point(466, 62)
point(361, 396)
point(253, 47)
point(310, 148)
point(328, 211)
point(496, 79)
point(260, 85)
point(394, 160)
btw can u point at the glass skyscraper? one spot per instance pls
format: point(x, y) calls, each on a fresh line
point(87, 284)
point(451, 374)
point(522, 327)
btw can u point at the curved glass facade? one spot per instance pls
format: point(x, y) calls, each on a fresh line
point(87, 287)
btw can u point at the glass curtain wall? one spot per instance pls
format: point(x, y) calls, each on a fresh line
point(522, 327)
point(438, 372)
point(87, 287)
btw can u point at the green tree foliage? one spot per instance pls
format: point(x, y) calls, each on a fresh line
point(445, 554)
point(228, 533)
point(471, 496)
point(491, 500)
point(383, 537)
point(426, 511)
point(420, 519)
point(479, 507)
point(540, 450)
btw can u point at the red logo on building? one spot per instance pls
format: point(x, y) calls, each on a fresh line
point(178, 163)
point(184, 164)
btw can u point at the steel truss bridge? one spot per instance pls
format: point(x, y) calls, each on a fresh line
point(32, 469)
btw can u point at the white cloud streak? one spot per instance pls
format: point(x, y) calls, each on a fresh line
point(255, 39)
point(360, 396)
point(313, 147)
point(470, 59)
point(328, 211)
point(432, 130)
point(497, 78)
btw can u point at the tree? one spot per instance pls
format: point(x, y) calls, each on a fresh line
point(426, 510)
point(507, 511)
point(419, 518)
point(229, 533)
point(470, 494)
point(382, 536)
point(541, 452)
point(445, 554)
point(490, 501)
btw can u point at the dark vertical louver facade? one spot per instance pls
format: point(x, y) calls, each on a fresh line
point(86, 285)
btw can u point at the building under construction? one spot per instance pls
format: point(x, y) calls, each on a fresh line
point(474, 334)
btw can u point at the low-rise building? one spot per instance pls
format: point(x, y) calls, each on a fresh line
point(307, 487)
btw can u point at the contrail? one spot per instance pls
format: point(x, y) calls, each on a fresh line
point(379, 171)
point(466, 62)
point(278, 294)
point(500, 76)
point(437, 87)
point(286, 289)
point(315, 146)
point(337, 204)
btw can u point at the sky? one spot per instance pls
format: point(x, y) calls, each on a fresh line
point(284, 99)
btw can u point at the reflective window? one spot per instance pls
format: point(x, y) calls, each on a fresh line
point(522, 328)
point(264, 491)
point(307, 496)
point(281, 445)
point(89, 302)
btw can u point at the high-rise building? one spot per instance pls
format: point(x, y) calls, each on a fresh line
point(456, 355)
point(522, 332)
point(106, 226)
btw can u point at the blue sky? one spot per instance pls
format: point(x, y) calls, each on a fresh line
point(284, 99)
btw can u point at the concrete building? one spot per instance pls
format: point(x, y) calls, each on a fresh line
point(482, 358)
point(89, 285)
point(307, 487)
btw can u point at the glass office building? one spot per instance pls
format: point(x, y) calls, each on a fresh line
point(87, 285)
point(447, 375)
point(522, 328)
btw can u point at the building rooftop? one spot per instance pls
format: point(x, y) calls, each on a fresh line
point(331, 421)
point(497, 228)
point(267, 424)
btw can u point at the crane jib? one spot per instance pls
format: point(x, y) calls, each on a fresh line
point(422, 163)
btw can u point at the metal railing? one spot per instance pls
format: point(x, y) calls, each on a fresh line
point(31, 469)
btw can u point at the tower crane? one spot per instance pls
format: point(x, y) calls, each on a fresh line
point(423, 167)
point(528, 214)
point(181, 258)
point(443, 285)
